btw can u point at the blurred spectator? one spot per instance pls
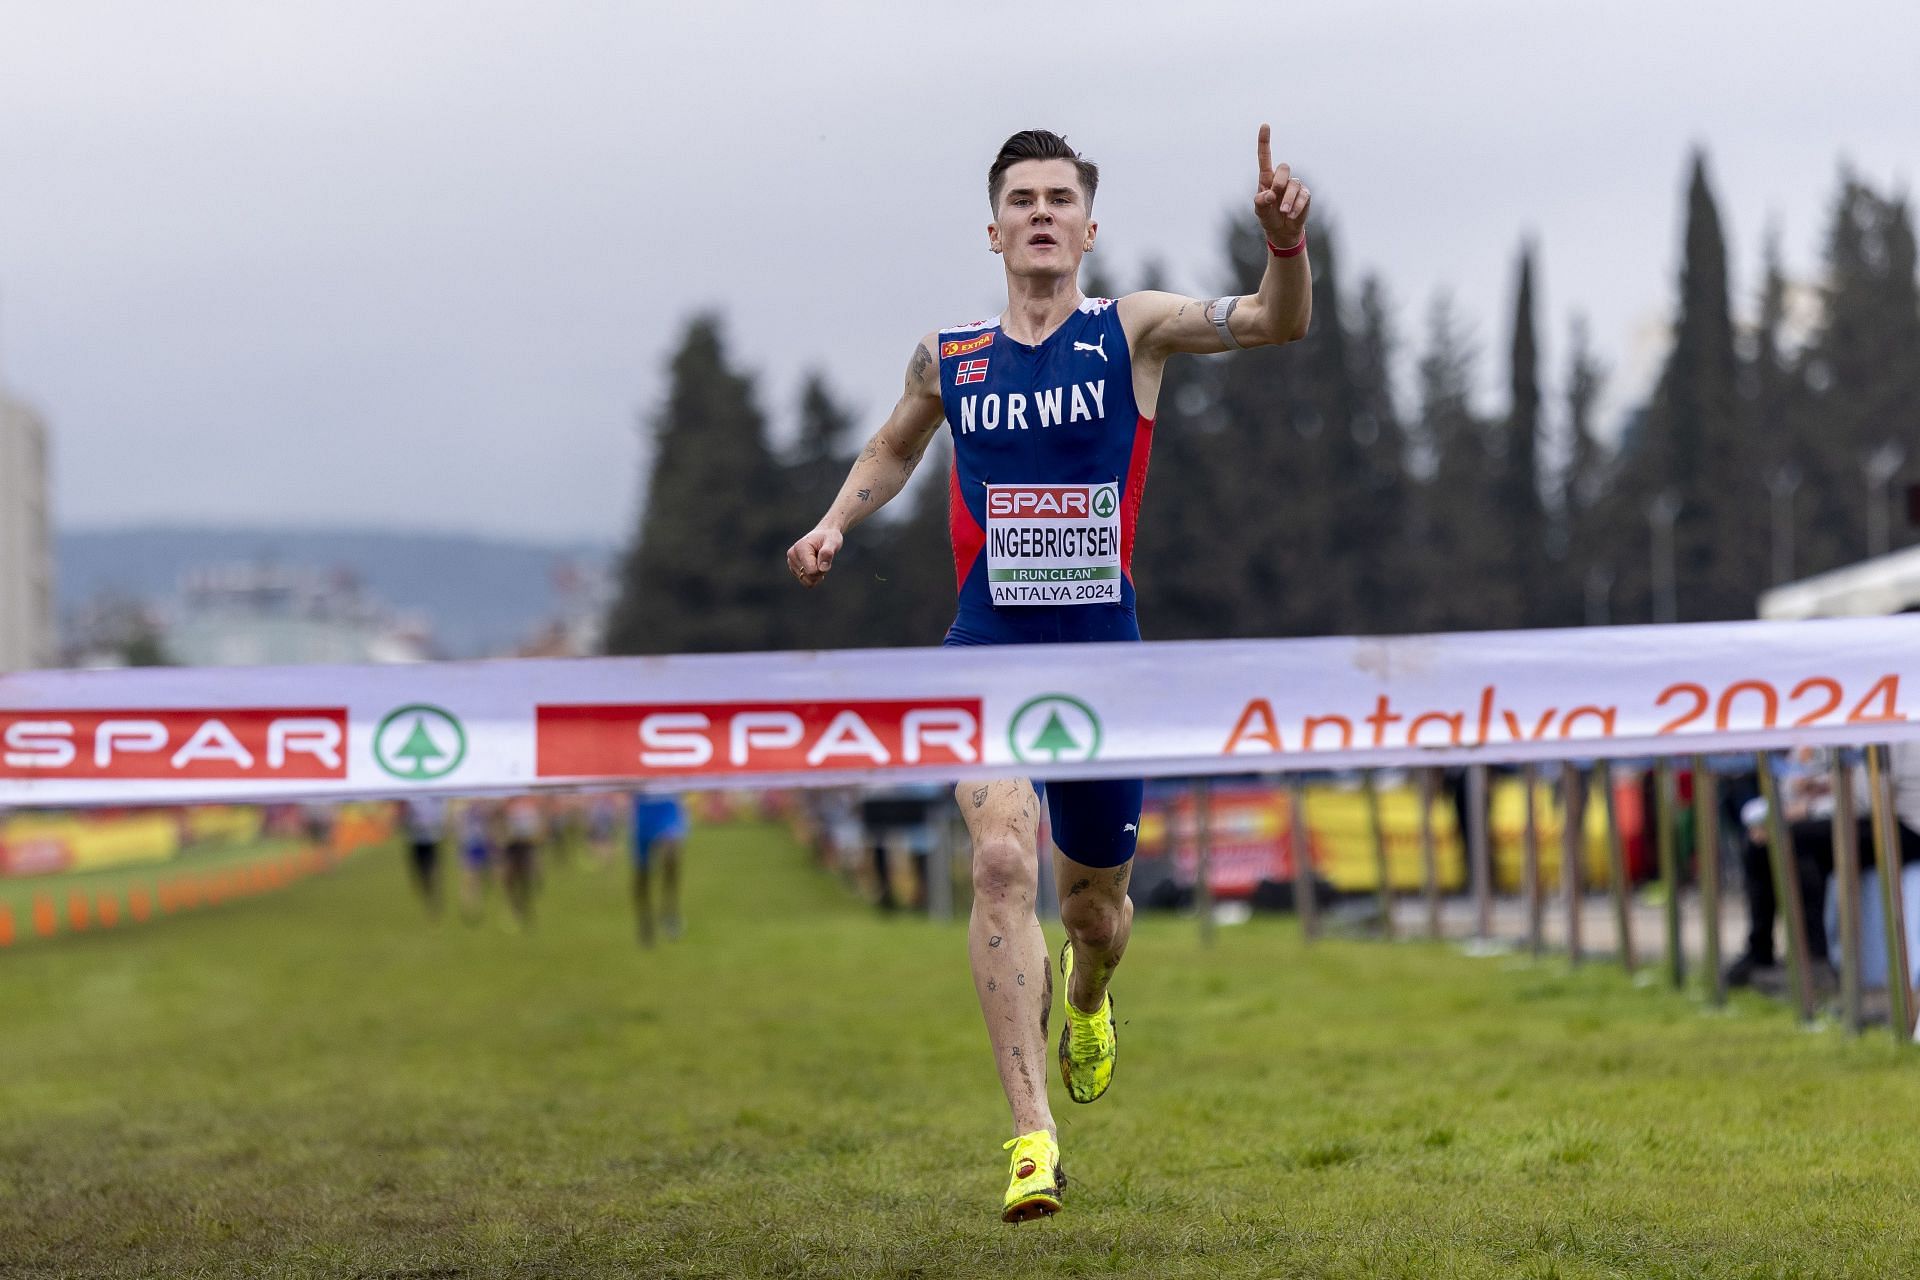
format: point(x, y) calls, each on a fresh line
point(901, 816)
point(1806, 801)
point(426, 822)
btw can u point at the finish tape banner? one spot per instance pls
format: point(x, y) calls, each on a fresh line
point(1046, 711)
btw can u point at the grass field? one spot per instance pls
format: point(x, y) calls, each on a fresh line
point(320, 1083)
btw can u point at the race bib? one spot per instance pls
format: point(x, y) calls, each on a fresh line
point(1053, 543)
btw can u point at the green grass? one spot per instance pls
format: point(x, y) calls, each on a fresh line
point(319, 1083)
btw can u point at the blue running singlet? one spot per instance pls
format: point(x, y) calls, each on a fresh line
point(1049, 462)
point(1049, 465)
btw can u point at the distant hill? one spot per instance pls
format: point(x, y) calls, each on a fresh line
point(483, 595)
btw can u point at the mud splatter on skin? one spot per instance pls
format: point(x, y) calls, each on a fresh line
point(1079, 885)
point(1046, 1003)
point(979, 797)
point(992, 985)
point(994, 941)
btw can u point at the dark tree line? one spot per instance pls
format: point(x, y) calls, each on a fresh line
point(1297, 493)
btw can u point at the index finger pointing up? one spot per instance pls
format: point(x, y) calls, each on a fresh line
point(1266, 155)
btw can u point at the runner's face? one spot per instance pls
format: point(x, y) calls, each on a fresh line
point(1042, 226)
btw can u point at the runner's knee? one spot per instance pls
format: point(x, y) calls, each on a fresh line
point(1003, 867)
point(1092, 922)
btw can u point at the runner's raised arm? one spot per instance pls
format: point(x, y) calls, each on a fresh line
point(881, 470)
point(1159, 324)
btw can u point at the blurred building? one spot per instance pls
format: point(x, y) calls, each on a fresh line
point(577, 629)
point(26, 541)
point(263, 615)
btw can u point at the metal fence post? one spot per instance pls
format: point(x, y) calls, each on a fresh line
point(1429, 861)
point(940, 869)
point(1617, 869)
point(1573, 812)
point(1663, 805)
point(1303, 900)
point(1886, 842)
point(1479, 859)
point(1786, 889)
point(1203, 849)
point(1706, 856)
point(1846, 873)
point(1384, 898)
point(1530, 888)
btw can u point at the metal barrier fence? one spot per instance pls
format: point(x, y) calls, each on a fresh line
point(1573, 783)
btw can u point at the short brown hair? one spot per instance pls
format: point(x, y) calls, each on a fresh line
point(1039, 144)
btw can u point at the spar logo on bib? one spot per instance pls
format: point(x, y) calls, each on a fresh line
point(1053, 544)
point(1054, 728)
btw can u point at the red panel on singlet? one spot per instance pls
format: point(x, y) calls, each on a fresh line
point(968, 537)
point(1136, 489)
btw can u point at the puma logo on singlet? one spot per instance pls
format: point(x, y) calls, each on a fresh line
point(1098, 348)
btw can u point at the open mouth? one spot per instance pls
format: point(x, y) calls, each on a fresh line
point(1042, 239)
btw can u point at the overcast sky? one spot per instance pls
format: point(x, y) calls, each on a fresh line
point(420, 264)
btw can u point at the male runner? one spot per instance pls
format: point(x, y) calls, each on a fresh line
point(659, 827)
point(1057, 391)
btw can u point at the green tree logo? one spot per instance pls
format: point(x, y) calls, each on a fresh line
point(419, 742)
point(1054, 728)
point(1104, 501)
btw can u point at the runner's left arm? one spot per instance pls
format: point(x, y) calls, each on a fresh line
point(1161, 323)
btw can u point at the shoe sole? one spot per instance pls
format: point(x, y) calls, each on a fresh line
point(1066, 1032)
point(1031, 1208)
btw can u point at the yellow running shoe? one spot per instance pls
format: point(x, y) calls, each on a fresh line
point(1088, 1044)
point(1038, 1180)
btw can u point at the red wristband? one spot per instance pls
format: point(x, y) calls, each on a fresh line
point(1295, 250)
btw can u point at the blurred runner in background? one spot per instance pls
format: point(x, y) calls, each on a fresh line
point(526, 820)
point(474, 820)
point(659, 832)
point(426, 821)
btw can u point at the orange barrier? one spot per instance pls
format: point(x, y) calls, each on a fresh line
point(174, 892)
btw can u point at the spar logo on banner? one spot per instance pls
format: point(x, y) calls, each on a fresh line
point(755, 737)
point(419, 742)
point(1053, 728)
point(150, 743)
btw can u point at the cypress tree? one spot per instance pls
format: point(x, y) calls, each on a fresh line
point(1863, 367)
point(1390, 582)
point(1295, 495)
point(1691, 449)
point(1186, 580)
point(1458, 542)
point(705, 570)
point(829, 617)
point(1516, 487)
point(1774, 405)
point(1587, 570)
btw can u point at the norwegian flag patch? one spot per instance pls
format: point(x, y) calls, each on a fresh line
point(970, 371)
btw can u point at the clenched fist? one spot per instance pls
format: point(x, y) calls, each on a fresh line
point(811, 557)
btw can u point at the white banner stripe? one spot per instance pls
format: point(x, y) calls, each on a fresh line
point(1177, 708)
